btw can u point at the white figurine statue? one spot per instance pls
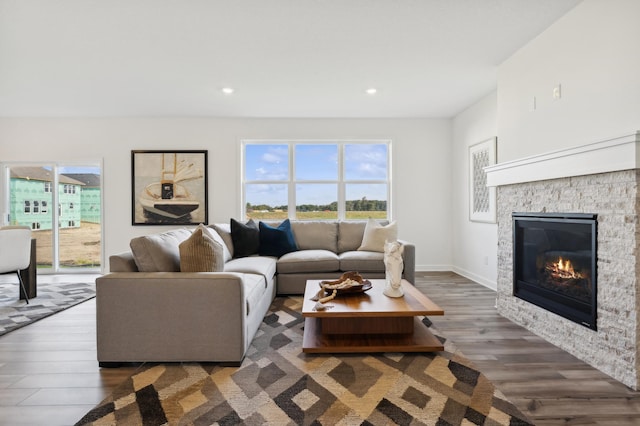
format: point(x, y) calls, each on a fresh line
point(393, 265)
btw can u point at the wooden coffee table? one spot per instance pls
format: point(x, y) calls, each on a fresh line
point(369, 321)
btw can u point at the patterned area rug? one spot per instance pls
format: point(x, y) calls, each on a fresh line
point(51, 298)
point(277, 384)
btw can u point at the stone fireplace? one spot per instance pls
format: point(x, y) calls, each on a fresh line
point(600, 181)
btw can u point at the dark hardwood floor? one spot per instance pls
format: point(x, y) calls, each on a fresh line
point(49, 374)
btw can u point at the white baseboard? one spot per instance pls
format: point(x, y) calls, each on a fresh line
point(477, 278)
point(433, 268)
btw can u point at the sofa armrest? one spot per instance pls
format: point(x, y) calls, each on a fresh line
point(170, 316)
point(409, 259)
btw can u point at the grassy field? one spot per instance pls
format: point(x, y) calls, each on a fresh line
point(324, 215)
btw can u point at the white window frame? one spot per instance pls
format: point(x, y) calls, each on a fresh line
point(56, 188)
point(291, 181)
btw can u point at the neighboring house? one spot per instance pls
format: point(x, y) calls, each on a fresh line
point(31, 199)
point(90, 196)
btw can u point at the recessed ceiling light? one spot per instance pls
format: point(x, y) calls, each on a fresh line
point(371, 91)
point(227, 90)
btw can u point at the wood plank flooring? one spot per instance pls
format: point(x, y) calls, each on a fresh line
point(48, 370)
point(549, 385)
point(49, 374)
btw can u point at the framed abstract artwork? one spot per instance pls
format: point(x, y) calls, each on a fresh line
point(168, 187)
point(482, 199)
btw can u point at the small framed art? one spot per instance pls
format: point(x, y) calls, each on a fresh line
point(482, 199)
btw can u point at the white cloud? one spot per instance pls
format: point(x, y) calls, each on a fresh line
point(271, 158)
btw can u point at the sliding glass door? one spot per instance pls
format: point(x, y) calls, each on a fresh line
point(62, 204)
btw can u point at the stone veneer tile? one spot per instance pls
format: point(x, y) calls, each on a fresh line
point(613, 348)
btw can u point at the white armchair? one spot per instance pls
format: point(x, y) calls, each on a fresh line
point(15, 251)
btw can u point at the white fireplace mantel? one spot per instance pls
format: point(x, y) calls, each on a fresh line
point(622, 153)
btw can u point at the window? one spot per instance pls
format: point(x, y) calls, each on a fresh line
point(53, 202)
point(316, 180)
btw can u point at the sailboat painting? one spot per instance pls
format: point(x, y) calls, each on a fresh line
point(169, 187)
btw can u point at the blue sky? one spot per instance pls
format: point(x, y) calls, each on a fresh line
point(314, 162)
point(75, 169)
point(79, 169)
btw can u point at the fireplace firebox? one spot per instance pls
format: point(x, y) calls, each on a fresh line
point(554, 263)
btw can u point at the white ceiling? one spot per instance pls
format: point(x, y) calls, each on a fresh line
point(284, 58)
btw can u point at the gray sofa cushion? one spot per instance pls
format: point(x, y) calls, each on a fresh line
point(350, 235)
point(362, 261)
point(308, 261)
point(159, 252)
point(217, 237)
point(260, 265)
point(316, 235)
point(122, 262)
point(254, 290)
point(224, 230)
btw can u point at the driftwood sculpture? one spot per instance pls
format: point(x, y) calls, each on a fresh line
point(347, 280)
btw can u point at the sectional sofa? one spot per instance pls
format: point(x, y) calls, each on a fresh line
point(148, 309)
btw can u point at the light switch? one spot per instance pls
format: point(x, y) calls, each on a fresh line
point(557, 93)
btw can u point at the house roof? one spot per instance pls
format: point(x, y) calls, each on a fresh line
point(42, 174)
point(91, 180)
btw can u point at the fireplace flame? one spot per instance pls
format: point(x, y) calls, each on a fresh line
point(564, 269)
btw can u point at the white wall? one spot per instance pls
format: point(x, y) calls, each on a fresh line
point(421, 157)
point(593, 52)
point(475, 244)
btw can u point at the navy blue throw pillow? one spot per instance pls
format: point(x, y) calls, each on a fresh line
point(245, 237)
point(276, 241)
